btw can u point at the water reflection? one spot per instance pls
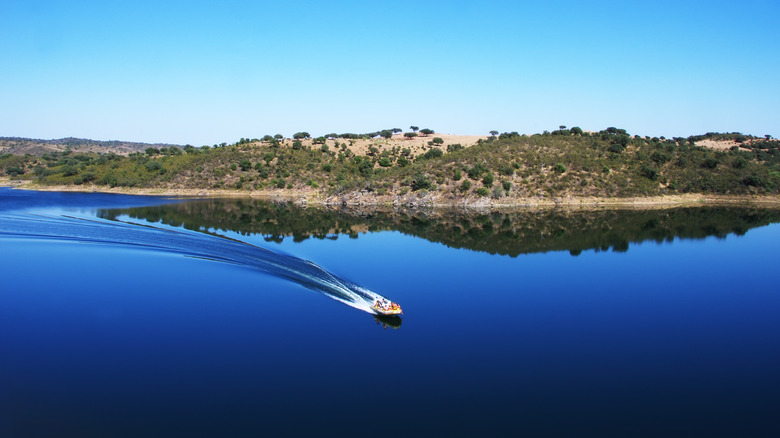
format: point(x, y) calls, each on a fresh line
point(392, 321)
point(512, 233)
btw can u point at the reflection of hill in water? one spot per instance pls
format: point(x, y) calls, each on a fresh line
point(507, 232)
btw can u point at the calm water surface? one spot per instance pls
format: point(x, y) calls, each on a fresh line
point(140, 316)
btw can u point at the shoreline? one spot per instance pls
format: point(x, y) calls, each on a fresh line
point(435, 200)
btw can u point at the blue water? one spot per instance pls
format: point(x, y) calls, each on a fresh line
point(99, 337)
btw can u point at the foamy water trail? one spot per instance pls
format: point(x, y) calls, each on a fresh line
point(94, 230)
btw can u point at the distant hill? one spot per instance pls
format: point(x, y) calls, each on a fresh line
point(38, 147)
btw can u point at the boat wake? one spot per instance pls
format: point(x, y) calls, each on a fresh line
point(42, 225)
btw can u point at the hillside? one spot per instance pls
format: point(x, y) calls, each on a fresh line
point(433, 169)
point(21, 146)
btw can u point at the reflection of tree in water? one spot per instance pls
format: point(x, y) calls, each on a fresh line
point(510, 232)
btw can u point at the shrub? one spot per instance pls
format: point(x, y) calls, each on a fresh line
point(458, 175)
point(476, 172)
point(498, 192)
point(560, 168)
point(15, 170)
point(420, 181)
point(465, 186)
point(709, 163)
point(649, 173)
point(66, 170)
point(488, 179)
point(616, 148)
point(482, 191)
point(507, 185)
point(245, 165)
point(433, 153)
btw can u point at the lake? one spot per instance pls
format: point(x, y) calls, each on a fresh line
point(125, 316)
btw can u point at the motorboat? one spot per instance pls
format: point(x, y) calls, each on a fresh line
point(386, 307)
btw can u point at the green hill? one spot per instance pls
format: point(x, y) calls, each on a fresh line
point(509, 167)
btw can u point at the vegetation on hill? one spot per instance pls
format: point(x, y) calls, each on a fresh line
point(37, 147)
point(562, 163)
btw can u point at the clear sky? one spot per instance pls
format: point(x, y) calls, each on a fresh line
point(207, 72)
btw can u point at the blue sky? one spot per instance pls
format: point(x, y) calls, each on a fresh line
point(207, 72)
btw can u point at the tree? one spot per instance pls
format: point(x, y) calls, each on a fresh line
point(438, 140)
point(279, 136)
point(488, 179)
point(301, 135)
point(386, 133)
point(426, 132)
point(576, 130)
point(397, 130)
point(494, 133)
point(414, 128)
point(561, 127)
point(410, 135)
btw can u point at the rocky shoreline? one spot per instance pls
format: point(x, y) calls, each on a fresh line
point(415, 199)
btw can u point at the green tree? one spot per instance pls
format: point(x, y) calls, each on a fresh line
point(301, 135)
point(420, 181)
point(494, 133)
point(426, 132)
point(414, 128)
point(410, 135)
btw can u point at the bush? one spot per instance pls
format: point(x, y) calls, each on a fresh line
point(458, 175)
point(507, 185)
point(709, 163)
point(498, 192)
point(245, 165)
point(488, 179)
point(153, 166)
point(14, 171)
point(420, 181)
point(476, 172)
point(649, 173)
point(560, 168)
point(482, 191)
point(433, 153)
